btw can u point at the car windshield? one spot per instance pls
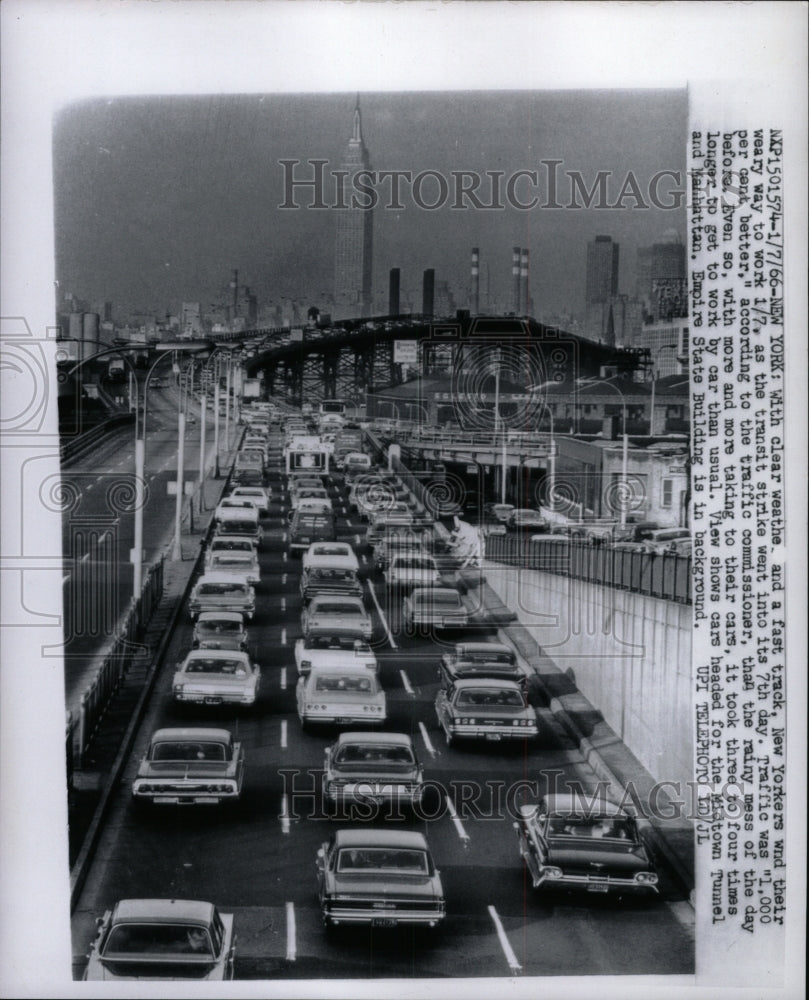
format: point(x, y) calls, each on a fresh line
point(233, 559)
point(488, 698)
point(201, 665)
point(331, 550)
point(241, 526)
point(126, 940)
point(335, 608)
point(487, 657)
point(210, 589)
point(193, 751)
point(356, 756)
point(220, 628)
point(358, 683)
point(592, 827)
point(359, 859)
point(332, 574)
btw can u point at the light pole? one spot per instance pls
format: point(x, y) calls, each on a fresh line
point(663, 347)
point(624, 448)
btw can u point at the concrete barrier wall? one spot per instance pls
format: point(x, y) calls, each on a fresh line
point(628, 654)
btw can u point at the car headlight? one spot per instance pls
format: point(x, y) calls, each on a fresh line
point(649, 877)
point(178, 688)
point(552, 871)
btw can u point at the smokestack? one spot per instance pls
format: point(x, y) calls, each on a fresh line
point(475, 303)
point(524, 308)
point(515, 281)
point(428, 295)
point(393, 292)
point(234, 287)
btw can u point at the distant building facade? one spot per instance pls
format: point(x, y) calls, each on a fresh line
point(601, 288)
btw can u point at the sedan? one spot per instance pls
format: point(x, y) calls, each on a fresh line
point(343, 697)
point(408, 571)
point(591, 846)
point(241, 565)
point(339, 650)
point(257, 495)
point(440, 607)
point(222, 592)
point(216, 677)
point(485, 709)
point(371, 768)
point(220, 630)
point(379, 878)
point(190, 767)
point(326, 613)
point(524, 519)
point(152, 939)
point(480, 659)
point(231, 504)
point(338, 550)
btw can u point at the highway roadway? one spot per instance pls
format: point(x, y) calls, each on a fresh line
point(257, 859)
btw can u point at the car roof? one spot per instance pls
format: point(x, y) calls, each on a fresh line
point(420, 591)
point(384, 739)
point(486, 682)
point(158, 910)
point(221, 616)
point(576, 805)
point(217, 654)
point(462, 648)
point(380, 838)
point(183, 735)
point(329, 598)
point(223, 578)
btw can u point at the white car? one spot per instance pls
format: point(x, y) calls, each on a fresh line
point(216, 677)
point(408, 571)
point(239, 564)
point(342, 697)
point(256, 494)
point(243, 506)
point(228, 543)
point(327, 612)
point(339, 650)
point(330, 550)
point(440, 607)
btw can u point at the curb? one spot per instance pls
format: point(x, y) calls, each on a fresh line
point(78, 873)
point(529, 650)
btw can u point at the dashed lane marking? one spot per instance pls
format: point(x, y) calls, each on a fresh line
point(459, 827)
point(284, 815)
point(427, 741)
point(283, 637)
point(406, 683)
point(291, 933)
point(283, 734)
point(508, 951)
point(384, 620)
point(283, 678)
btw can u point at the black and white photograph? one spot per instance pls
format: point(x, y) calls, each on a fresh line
point(396, 467)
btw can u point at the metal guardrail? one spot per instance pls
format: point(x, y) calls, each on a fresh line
point(664, 575)
point(83, 723)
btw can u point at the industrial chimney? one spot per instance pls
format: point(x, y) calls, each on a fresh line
point(428, 296)
point(524, 300)
point(475, 297)
point(515, 281)
point(393, 292)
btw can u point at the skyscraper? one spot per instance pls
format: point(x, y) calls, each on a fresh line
point(353, 255)
point(661, 278)
point(602, 285)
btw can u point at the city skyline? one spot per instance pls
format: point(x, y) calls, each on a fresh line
point(157, 200)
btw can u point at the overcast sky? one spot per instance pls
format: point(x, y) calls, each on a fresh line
point(158, 199)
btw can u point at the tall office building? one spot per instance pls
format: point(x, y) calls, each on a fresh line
point(353, 256)
point(601, 286)
point(661, 278)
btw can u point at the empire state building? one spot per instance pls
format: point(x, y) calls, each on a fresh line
point(353, 252)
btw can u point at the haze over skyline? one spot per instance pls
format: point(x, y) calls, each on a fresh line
point(158, 199)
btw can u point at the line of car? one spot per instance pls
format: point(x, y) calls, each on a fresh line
point(371, 876)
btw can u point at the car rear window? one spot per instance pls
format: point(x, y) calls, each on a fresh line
point(189, 751)
point(361, 683)
point(490, 699)
point(592, 828)
point(336, 608)
point(210, 666)
point(345, 643)
point(387, 859)
point(440, 600)
point(374, 755)
point(211, 589)
point(158, 939)
point(219, 628)
point(240, 546)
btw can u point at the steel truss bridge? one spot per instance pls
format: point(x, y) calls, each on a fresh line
point(352, 357)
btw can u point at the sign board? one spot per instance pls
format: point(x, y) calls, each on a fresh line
point(406, 352)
